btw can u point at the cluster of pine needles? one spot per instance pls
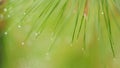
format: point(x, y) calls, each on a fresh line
point(75, 19)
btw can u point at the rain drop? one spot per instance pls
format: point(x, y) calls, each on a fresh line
point(5, 9)
point(24, 13)
point(19, 26)
point(8, 16)
point(102, 12)
point(36, 34)
point(5, 33)
point(22, 43)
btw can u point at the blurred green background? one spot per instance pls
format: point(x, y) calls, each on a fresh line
point(59, 33)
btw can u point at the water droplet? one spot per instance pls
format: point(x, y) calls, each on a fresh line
point(8, 16)
point(6, 33)
point(24, 13)
point(19, 26)
point(102, 12)
point(22, 43)
point(36, 34)
point(5, 9)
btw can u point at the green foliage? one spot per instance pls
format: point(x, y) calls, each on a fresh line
point(62, 34)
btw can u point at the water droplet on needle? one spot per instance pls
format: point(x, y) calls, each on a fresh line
point(22, 43)
point(36, 34)
point(5, 33)
point(5, 9)
point(19, 26)
point(24, 13)
point(8, 16)
point(102, 12)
